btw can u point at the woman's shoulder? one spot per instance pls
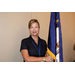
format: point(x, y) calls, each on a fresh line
point(42, 40)
point(25, 39)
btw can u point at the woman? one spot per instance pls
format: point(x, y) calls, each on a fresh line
point(33, 48)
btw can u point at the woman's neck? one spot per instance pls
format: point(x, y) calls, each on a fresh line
point(35, 38)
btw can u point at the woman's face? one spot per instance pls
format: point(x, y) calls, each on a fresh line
point(34, 29)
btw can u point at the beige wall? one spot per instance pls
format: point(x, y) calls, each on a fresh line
point(14, 27)
point(68, 34)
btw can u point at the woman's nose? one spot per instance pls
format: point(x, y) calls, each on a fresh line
point(34, 28)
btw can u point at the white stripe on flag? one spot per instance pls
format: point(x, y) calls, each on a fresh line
point(57, 48)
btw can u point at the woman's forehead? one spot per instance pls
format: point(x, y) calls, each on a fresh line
point(34, 24)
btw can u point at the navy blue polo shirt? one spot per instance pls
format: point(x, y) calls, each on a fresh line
point(27, 44)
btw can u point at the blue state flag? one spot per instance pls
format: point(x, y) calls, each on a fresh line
point(55, 38)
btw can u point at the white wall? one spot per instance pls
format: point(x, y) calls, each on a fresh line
point(14, 27)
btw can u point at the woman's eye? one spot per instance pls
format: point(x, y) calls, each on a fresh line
point(36, 27)
point(31, 27)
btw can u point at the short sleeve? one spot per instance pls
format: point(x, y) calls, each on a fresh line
point(23, 45)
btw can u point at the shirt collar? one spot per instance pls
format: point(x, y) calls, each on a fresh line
point(33, 40)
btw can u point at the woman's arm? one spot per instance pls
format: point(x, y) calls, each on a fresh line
point(28, 58)
point(46, 55)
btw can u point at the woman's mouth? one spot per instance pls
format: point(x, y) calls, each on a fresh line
point(34, 32)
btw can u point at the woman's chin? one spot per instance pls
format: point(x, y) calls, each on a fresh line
point(34, 34)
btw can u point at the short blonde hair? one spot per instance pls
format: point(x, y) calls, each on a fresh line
point(33, 21)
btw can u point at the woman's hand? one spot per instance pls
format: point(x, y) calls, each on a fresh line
point(48, 59)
